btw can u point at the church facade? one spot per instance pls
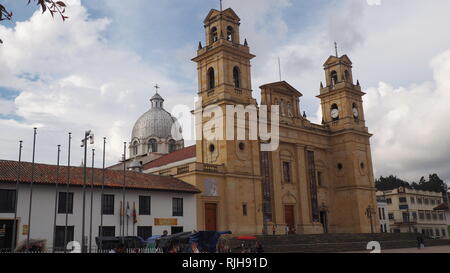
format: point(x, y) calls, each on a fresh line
point(319, 180)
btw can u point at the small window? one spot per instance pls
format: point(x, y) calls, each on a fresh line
point(237, 77)
point(244, 209)
point(108, 204)
point(177, 207)
point(230, 33)
point(212, 148)
point(153, 146)
point(347, 76)
point(340, 166)
point(60, 236)
point(391, 216)
point(145, 205)
point(214, 36)
point(389, 200)
point(402, 199)
point(334, 78)
point(413, 200)
point(319, 179)
point(211, 79)
point(135, 148)
point(241, 146)
point(107, 231)
point(65, 203)
point(7, 201)
point(175, 230)
point(172, 146)
point(287, 172)
point(145, 232)
point(421, 215)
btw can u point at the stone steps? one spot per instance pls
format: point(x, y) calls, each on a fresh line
point(329, 243)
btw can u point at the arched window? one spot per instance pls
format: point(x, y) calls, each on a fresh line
point(214, 36)
point(152, 146)
point(230, 33)
point(172, 146)
point(135, 148)
point(347, 76)
point(334, 78)
point(237, 77)
point(211, 78)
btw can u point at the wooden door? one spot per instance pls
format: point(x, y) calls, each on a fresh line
point(210, 216)
point(289, 216)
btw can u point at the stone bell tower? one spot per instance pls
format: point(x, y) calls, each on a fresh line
point(224, 80)
point(351, 161)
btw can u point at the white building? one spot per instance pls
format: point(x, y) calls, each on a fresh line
point(161, 203)
point(383, 214)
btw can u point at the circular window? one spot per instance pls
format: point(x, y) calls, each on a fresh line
point(340, 166)
point(241, 146)
point(212, 148)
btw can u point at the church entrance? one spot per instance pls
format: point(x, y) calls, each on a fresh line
point(289, 216)
point(324, 221)
point(210, 216)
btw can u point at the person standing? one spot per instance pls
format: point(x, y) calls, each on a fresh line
point(274, 229)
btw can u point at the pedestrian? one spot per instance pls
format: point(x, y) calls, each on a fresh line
point(259, 248)
point(274, 229)
point(287, 229)
point(165, 233)
point(420, 241)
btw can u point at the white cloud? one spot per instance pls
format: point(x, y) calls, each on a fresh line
point(410, 124)
point(75, 81)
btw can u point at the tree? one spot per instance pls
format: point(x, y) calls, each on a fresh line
point(389, 183)
point(54, 7)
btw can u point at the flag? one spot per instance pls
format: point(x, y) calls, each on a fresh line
point(128, 211)
point(121, 210)
point(134, 213)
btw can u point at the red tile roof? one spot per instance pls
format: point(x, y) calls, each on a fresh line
point(185, 153)
point(47, 174)
point(443, 206)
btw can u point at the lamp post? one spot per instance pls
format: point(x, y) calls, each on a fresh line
point(87, 136)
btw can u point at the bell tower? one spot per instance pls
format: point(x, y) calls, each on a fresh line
point(341, 98)
point(350, 153)
point(224, 82)
point(224, 63)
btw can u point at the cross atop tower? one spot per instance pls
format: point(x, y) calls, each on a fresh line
point(336, 48)
point(156, 87)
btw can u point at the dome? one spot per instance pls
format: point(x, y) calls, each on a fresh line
point(156, 122)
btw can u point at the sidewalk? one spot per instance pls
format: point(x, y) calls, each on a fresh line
point(433, 249)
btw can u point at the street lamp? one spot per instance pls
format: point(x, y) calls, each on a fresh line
point(87, 136)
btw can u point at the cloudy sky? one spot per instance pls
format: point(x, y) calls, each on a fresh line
point(96, 70)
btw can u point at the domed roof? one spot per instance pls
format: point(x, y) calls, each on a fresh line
point(156, 122)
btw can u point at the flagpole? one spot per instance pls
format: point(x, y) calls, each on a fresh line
point(101, 200)
point(134, 217)
point(13, 245)
point(31, 188)
point(67, 194)
point(124, 185)
point(87, 135)
point(92, 200)
point(56, 199)
point(128, 216)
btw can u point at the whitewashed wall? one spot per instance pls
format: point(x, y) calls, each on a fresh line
point(43, 206)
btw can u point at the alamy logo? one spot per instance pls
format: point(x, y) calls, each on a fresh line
point(229, 122)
